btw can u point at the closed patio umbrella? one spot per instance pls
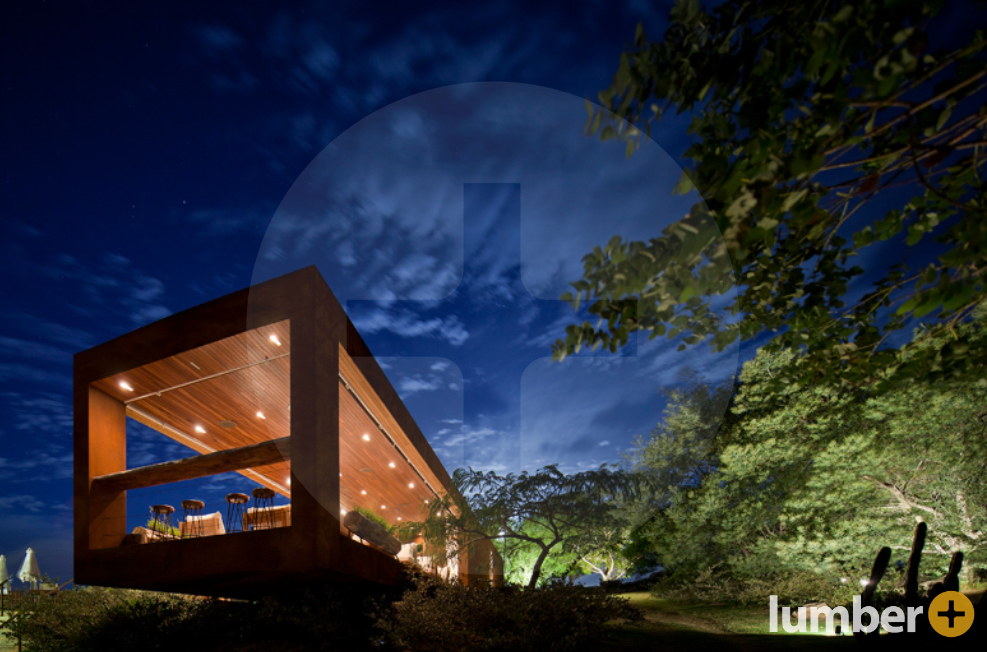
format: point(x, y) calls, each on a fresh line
point(4, 575)
point(29, 569)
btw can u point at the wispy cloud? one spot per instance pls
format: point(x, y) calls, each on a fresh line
point(217, 39)
point(21, 348)
point(211, 222)
point(413, 385)
point(408, 324)
point(24, 373)
point(46, 414)
point(39, 328)
point(36, 466)
point(111, 283)
point(22, 503)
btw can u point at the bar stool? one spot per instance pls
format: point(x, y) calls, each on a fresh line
point(235, 511)
point(193, 526)
point(162, 524)
point(263, 508)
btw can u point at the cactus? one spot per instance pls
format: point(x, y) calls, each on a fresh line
point(949, 583)
point(914, 559)
point(876, 575)
point(952, 581)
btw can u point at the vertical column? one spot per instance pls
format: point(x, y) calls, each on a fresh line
point(315, 336)
point(107, 453)
point(330, 327)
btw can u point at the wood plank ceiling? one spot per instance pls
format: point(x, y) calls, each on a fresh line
point(212, 398)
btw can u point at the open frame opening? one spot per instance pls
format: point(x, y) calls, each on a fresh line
point(220, 415)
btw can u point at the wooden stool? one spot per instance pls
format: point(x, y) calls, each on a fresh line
point(235, 511)
point(263, 508)
point(193, 526)
point(162, 524)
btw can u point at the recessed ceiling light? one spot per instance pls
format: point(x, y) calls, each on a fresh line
point(364, 492)
point(399, 518)
point(343, 512)
point(411, 485)
point(274, 338)
point(340, 475)
point(366, 438)
point(260, 415)
point(383, 506)
point(126, 386)
point(391, 465)
point(200, 429)
point(426, 501)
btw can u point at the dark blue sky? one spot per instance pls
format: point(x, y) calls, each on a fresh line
point(146, 150)
point(428, 157)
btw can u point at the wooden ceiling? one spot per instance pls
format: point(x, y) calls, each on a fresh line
point(368, 478)
point(208, 399)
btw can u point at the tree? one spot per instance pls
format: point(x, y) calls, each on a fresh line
point(545, 510)
point(601, 550)
point(803, 115)
point(680, 451)
point(815, 478)
point(520, 557)
point(678, 456)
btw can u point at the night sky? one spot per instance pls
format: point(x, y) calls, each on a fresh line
point(428, 157)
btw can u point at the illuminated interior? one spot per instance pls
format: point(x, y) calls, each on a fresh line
point(235, 393)
point(225, 396)
point(378, 471)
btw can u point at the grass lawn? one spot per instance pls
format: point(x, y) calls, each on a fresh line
point(671, 625)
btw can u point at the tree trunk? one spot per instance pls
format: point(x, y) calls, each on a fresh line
point(536, 571)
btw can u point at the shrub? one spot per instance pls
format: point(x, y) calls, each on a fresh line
point(375, 517)
point(439, 617)
point(110, 620)
point(158, 526)
point(336, 617)
point(97, 619)
point(432, 615)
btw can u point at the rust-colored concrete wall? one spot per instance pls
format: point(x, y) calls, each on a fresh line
point(312, 548)
point(482, 564)
point(107, 453)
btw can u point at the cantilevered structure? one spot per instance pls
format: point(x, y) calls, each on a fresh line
point(272, 382)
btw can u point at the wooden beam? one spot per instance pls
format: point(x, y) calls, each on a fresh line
point(234, 459)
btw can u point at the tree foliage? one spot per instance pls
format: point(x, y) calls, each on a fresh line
point(547, 511)
point(520, 557)
point(813, 479)
point(808, 121)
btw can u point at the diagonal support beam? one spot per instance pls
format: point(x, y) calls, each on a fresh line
point(234, 459)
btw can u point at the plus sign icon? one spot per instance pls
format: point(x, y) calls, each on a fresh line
point(448, 225)
point(951, 613)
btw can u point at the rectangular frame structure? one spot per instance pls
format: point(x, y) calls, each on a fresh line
point(323, 341)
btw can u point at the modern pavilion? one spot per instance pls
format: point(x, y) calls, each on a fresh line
point(272, 382)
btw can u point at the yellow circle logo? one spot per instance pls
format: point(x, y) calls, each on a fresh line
point(951, 613)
